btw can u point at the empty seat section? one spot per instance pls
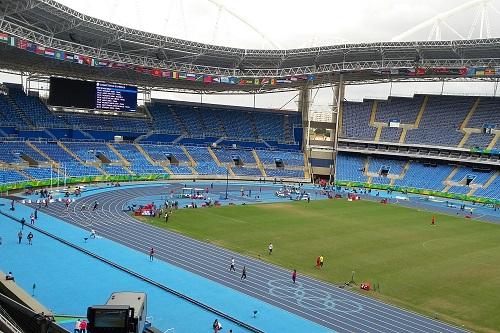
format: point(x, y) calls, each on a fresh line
point(11, 176)
point(441, 121)
point(356, 121)
point(139, 163)
point(351, 168)
point(13, 151)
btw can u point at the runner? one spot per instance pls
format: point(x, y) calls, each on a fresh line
point(92, 233)
point(231, 268)
point(321, 259)
point(243, 273)
point(270, 248)
point(317, 262)
point(151, 254)
point(95, 205)
point(294, 275)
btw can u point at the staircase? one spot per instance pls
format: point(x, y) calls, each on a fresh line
point(488, 183)
point(253, 123)
point(125, 164)
point(60, 144)
point(143, 136)
point(494, 140)
point(230, 170)
point(180, 121)
point(41, 152)
point(402, 174)
point(191, 159)
point(22, 172)
point(469, 115)
point(447, 181)
point(216, 159)
point(49, 133)
point(288, 130)
point(19, 111)
point(85, 134)
point(259, 163)
point(145, 154)
point(378, 133)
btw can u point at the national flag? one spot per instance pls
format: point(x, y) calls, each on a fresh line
point(50, 53)
point(207, 79)
point(69, 57)
point(462, 71)
point(241, 82)
point(182, 75)
point(175, 75)
point(121, 65)
point(60, 55)
point(102, 63)
point(22, 44)
point(471, 71)
point(199, 77)
point(215, 79)
point(394, 71)
point(256, 81)
point(31, 47)
point(12, 41)
point(273, 81)
point(167, 74)
point(78, 59)
point(4, 38)
point(311, 77)
point(479, 71)
point(283, 81)
point(40, 49)
point(294, 79)
point(489, 71)
point(420, 71)
point(233, 80)
point(264, 81)
point(224, 79)
point(190, 76)
point(155, 72)
point(89, 61)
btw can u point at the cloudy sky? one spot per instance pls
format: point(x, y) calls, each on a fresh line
point(300, 23)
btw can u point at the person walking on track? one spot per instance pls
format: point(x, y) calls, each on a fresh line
point(20, 236)
point(30, 238)
point(294, 275)
point(243, 273)
point(151, 254)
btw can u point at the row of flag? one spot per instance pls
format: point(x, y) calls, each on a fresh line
point(441, 71)
point(233, 80)
point(168, 74)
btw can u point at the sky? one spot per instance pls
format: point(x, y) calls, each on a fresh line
point(298, 23)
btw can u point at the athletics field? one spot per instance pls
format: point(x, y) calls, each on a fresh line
point(449, 271)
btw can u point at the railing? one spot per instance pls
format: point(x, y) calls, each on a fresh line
point(8, 321)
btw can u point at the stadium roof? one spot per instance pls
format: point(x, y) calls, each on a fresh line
point(53, 25)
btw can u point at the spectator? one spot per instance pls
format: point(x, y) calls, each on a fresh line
point(83, 326)
point(9, 277)
point(30, 238)
point(78, 326)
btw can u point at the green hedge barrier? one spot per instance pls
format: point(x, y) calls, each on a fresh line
point(461, 197)
point(80, 180)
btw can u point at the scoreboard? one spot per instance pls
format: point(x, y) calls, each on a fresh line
point(115, 97)
point(92, 95)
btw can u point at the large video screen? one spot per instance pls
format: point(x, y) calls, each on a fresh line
point(92, 95)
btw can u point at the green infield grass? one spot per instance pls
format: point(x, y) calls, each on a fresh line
point(450, 271)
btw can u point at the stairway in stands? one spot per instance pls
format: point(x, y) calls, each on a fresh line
point(19, 111)
point(180, 122)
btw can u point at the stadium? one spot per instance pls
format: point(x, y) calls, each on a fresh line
point(192, 172)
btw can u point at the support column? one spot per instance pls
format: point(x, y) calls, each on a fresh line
point(337, 108)
point(304, 105)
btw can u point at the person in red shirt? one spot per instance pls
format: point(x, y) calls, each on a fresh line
point(318, 263)
point(294, 275)
point(83, 326)
point(433, 221)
